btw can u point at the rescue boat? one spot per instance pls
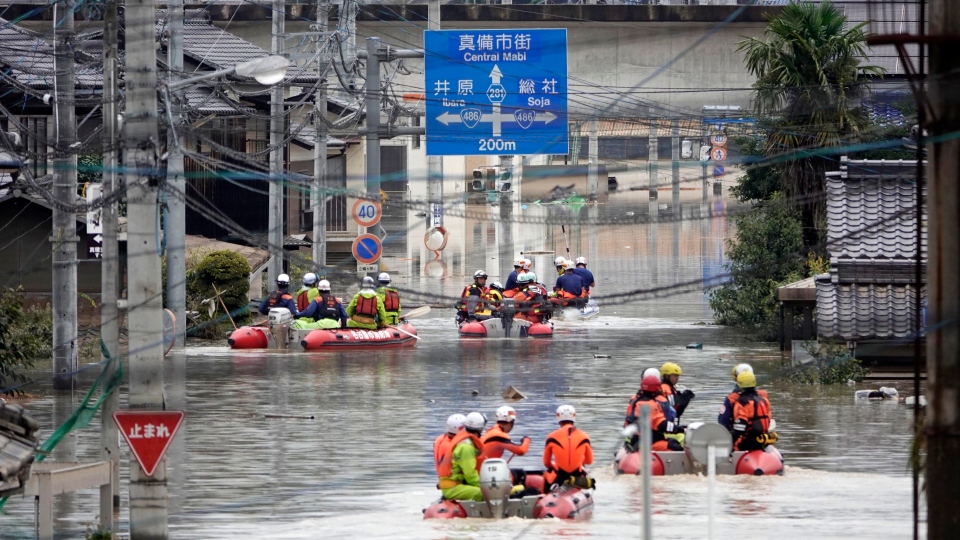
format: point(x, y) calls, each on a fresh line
point(565, 502)
point(664, 463)
point(504, 328)
point(588, 311)
point(276, 334)
point(402, 335)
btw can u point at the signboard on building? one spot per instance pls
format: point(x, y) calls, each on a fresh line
point(436, 215)
point(94, 223)
point(149, 434)
point(496, 92)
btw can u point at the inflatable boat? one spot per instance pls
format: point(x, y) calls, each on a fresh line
point(756, 462)
point(506, 327)
point(278, 333)
point(495, 483)
point(402, 335)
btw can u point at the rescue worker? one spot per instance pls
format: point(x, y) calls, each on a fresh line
point(366, 310)
point(471, 299)
point(459, 475)
point(530, 301)
point(660, 422)
point(558, 262)
point(751, 416)
point(585, 275)
point(442, 446)
point(390, 298)
point(308, 292)
point(512, 277)
point(326, 311)
point(725, 418)
point(679, 398)
point(527, 266)
point(493, 298)
point(497, 439)
point(569, 286)
point(567, 451)
point(279, 298)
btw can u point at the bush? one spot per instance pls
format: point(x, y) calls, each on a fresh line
point(764, 256)
point(13, 360)
point(833, 364)
point(228, 273)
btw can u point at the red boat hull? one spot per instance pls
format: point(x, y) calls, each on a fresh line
point(760, 463)
point(248, 337)
point(476, 329)
point(388, 338)
point(755, 462)
point(568, 504)
point(630, 464)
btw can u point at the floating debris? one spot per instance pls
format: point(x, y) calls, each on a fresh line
point(882, 393)
point(696, 345)
point(601, 356)
point(475, 393)
point(513, 393)
point(294, 416)
point(911, 400)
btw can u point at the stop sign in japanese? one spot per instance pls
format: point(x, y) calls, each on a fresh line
point(148, 433)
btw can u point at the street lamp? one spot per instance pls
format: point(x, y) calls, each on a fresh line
point(268, 71)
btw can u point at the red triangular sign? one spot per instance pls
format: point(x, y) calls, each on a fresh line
point(148, 433)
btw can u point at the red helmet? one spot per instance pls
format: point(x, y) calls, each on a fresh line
point(650, 383)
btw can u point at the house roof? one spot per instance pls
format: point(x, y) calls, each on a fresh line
point(305, 135)
point(29, 61)
point(871, 212)
point(853, 312)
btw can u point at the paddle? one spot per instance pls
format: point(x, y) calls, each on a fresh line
point(419, 312)
point(405, 332)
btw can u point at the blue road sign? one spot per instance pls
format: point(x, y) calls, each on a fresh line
point(367, 248)
point(718, 170)
point(496, 92)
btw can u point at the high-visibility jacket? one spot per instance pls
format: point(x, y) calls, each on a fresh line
point(473, 289)
point(366, 308)
point(751, 414)
point(461, 465)
point(390, 298)
point(496, 441)
point(725, 418)
point(568, 449)
point(661, 422)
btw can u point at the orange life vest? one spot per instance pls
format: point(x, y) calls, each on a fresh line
point(754, 409)
point(568, 449)
point(445, 463)
point(366, 306)
point(303, 301)
point(468, 292)
point(391, 300)
point(441, 448)
point(496, 441)
point(657, 416)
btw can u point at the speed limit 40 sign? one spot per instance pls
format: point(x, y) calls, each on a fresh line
point(366, 212)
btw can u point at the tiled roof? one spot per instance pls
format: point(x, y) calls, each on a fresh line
point(305, 135)
point(871, 211)
point(853, 312)
point(215, 48)
point(18, 440)
point(28, 60)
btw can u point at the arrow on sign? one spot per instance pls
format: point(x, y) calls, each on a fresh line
point(448, 118)
point(495, 74)
point(98, 239)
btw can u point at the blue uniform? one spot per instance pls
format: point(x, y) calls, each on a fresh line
point(278, 298)
point(571, 284)
point(511, 281)
point(319, 310)
point(586, 276)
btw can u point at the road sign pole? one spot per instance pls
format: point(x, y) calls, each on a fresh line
point(434, 163)
point(373, 117)
point(277, 133)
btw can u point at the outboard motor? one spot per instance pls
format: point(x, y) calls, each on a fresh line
point(495, 484)
point(279, 315)
point(507, 310)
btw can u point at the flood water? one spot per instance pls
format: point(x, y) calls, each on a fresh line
point(362, 468)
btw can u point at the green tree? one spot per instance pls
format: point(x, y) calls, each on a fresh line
point(222, 274)
point(810, 79)
point(764, 256)
point(13, 359)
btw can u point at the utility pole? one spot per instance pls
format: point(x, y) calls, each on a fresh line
point(64, 237)
point(653, 145)
point(593, 160)
point(373, 117)
point(110, 262)
point(319, 191)
point(434, 163)
point(675, 163)
point(176, 222)
point(275, 204)
point(148, 495)
point(943, 274)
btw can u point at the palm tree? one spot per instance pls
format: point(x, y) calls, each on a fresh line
point(810, 79)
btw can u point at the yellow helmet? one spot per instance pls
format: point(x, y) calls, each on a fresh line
point(740, 368)
point(746, 379)
point(670, 368)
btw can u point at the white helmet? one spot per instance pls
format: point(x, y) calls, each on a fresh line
point(309, 278)
point(740, 368)
point(383, 278)
point(324, 285)
point(568, 265)
point(518, 263)
point(283, 280)
point(454, 423)
point(566, 413)
point(651, 371)
point(506, 414)
point(479, 274)
point(475, 421)
point(527, 264)
point(582, 260)
point(559, 261)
